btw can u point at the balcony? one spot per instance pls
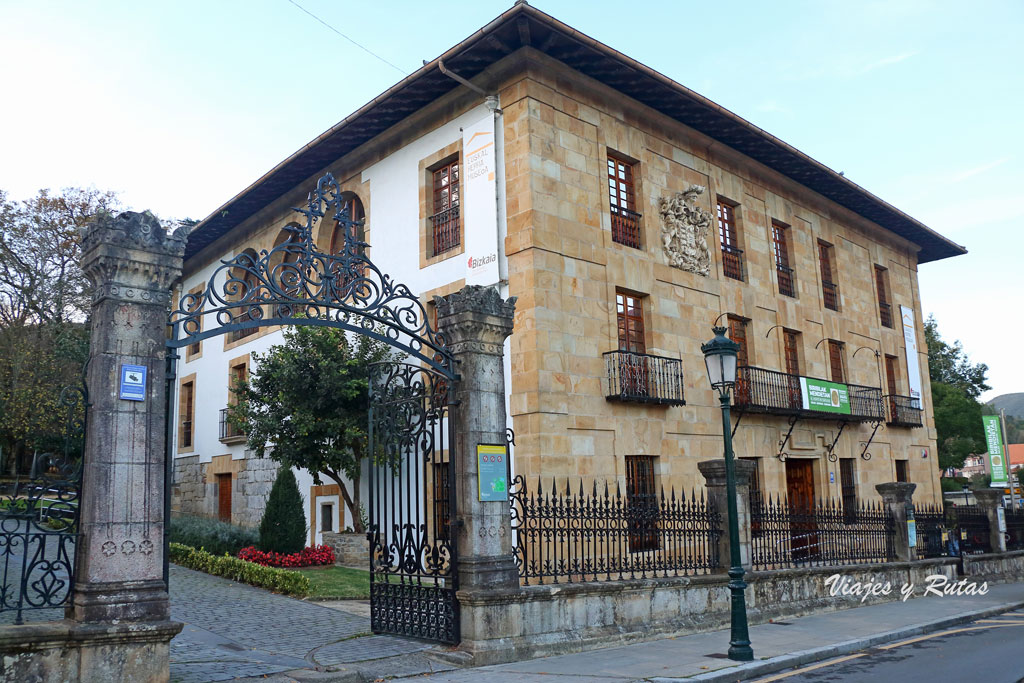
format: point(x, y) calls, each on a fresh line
point(787, 280)
point(904, 411)
point(229, 434)
point(643, 378)
point(830, 293)
point(759, 390)
point(445, 228)
point(885, 314)
point(625, 227)
point(732, 262)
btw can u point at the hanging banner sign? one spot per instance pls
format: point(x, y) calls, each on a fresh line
point(910, 340)
point(492, 472)
point(996, 457)
point(824, 397)
point(480, 203)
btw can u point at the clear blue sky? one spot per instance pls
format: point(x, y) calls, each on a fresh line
point(179, 105)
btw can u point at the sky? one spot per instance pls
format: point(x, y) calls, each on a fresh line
point(178, 106)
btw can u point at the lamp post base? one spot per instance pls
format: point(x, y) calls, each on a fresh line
point(739, 644)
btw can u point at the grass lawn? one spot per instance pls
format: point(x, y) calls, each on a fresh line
point(337, 583)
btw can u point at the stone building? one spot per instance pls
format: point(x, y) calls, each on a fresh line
point(632, 214)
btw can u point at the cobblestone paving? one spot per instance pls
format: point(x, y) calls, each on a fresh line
point(235, 631)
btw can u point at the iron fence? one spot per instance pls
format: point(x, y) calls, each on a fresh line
point(643, 378)
point(822, 534)
point(1014, 529)
point(931, 522)
point(563, 536)
point(972, 528)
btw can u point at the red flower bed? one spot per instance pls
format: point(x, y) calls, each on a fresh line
point(307, 557)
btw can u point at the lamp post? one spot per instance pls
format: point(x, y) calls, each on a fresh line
point(967, 501)
point(720, 359)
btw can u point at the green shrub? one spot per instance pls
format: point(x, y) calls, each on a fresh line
point(213, 535)
point(283, 527)
point(277, 580)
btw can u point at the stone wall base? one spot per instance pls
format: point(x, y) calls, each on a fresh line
point(350, 549)
point(70, 652)
point(193, 494)
point(540, 621)
point(995, 567)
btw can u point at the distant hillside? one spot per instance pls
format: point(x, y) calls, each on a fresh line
point(1013, 404)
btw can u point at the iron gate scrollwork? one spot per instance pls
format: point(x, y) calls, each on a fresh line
point(39, 520)
point(297, 283)
point(413, 569)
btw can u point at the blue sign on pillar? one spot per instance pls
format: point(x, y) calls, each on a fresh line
point(133, 382)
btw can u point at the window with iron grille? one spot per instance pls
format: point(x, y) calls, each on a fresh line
point(622, 199)
point(442, 500)
point(186, 414)
point(836, 361)
point(732, 255)
point(642, 499)
point(738, 333)
point(882, 288)
point(901, 471)
point(444, 220)
point(829, 288)
point(780, 243)
point(848, 487)
point(630, 314)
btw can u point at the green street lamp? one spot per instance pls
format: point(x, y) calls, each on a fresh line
point(720, 359)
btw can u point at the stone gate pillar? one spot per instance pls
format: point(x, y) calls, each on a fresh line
point(897, 497)
point(715, 481)
point(132, 262)
point(476, 322)
point(990, 500)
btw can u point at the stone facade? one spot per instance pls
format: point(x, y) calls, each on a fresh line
point(194, 488)
point(350, 549)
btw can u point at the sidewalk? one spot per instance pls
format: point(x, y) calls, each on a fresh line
point(700, 657)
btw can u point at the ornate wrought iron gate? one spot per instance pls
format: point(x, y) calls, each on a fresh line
point(413, 571)
point(413, 555)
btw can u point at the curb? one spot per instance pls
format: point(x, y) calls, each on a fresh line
point(744, 672)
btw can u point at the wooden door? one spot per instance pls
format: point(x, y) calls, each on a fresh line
point(224, 497)
point(803, 540)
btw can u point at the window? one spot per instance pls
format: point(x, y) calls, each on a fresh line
point(442, 499)
point(836, 361)
point(848, 488)
point(444, 220)
point(238, 374)
point(642, 503)
point(622, 199)
point(354, 207)
point(738, 333)
point(791, 354)
point(780, 243)
point(186, 414)
point(901, 471)
point(892, 374)
point(243, 286)
point(732, 255)
point(326, 517)
point(630, 313)
point(882, 287)
point(829, 288)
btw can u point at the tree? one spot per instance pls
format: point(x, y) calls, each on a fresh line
point(947, 363)
point(306, 405)
point(283, 527)
point(44, 300)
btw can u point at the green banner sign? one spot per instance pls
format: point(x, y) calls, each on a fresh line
point(492, 472)
point(996, 457)
point(825, 397)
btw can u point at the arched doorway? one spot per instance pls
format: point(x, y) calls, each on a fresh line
point(413, 554)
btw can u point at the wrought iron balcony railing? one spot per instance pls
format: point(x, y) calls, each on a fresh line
point(625, 227)
point(885, 313)
point(904, 411)
point(830, 293)
point(445, 227)
point(787, 280)
point(732, 262)
point(229, 433)
point(759, 390)
point(643, 378)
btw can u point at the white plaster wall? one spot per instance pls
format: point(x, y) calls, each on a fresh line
point(393, 208)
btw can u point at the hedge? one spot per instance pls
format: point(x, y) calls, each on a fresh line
point(277, 580)
point(211, 534)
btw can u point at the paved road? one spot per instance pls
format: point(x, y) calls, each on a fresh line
point(234, 631)
point(986, 650)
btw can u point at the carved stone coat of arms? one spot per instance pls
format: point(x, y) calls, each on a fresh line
point(684, 231)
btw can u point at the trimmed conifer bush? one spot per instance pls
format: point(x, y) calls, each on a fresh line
point(283, 527)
